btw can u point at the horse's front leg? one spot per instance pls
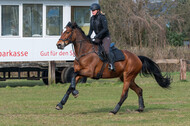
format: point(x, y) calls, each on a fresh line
point(64, 99)
point(74, 81)
point(71, 89)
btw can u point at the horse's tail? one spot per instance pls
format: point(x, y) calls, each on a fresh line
point(151, 68)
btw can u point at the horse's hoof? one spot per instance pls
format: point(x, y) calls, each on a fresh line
point(140, 110)
point(112, 113)
point(75, 93)
point(59, 107)
point(76, 96)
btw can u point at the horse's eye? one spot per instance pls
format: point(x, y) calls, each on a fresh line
point(67, 32)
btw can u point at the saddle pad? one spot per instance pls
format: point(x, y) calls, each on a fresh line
point(118, 54)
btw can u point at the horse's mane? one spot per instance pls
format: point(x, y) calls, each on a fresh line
point(74, 25)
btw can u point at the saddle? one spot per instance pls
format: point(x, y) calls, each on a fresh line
point(117, 55)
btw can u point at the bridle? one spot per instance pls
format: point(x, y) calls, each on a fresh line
point(67, 39)
point(80, 41)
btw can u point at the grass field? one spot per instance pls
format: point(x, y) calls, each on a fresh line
point(30, 103)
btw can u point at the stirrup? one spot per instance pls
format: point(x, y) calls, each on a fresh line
point(111, 67)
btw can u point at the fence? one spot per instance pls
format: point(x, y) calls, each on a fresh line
point(183, 65)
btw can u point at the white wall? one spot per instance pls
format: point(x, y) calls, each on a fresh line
point(34, 47)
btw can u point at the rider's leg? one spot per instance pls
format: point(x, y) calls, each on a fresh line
point(106, 44)
point(111, 62)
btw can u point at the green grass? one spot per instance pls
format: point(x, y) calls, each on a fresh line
point(24, 105)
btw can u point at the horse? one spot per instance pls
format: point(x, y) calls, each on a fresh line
point(88, 64)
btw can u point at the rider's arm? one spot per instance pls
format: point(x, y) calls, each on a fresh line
point(105, 27)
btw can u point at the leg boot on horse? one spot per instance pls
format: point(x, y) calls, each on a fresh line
point(139, 93)
point(73, 85)
point(72, 90)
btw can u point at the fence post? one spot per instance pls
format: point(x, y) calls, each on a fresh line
point(51, 72)
point(183, 66)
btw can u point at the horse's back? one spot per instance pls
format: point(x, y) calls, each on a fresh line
point(133, 63)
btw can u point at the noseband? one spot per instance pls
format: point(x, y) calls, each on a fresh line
point(67, 39)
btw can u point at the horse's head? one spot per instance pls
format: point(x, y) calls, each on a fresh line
point(67, 36)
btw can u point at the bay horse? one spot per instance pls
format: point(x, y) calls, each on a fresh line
point(88, 64)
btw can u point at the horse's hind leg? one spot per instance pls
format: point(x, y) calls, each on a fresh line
point(117, 107)
point(139, 92)
point(126, 81)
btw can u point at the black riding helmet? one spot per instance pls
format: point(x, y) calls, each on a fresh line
point(95, 6)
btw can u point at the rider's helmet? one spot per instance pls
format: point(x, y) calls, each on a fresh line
point(95, 6)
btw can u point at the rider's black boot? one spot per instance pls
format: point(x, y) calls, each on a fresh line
point(111, 62)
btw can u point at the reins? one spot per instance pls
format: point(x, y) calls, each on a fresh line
point(81, 43)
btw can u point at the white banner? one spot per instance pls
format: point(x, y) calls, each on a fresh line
point(33, 49)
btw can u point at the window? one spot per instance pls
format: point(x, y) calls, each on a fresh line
point(32, 20)
point(81, 15)
point(54, 20)
point(10, 20)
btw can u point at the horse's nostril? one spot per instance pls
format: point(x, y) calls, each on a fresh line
point(58, 46)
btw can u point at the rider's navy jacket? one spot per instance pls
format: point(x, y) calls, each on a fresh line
point(98, 24)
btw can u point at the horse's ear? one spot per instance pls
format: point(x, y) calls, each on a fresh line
point(69, 24)
point(75, 25)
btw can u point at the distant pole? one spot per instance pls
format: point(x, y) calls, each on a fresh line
point(183, 67)
point(51, 72)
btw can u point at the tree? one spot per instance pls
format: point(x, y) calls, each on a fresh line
point(141, 23)
point(181, 24)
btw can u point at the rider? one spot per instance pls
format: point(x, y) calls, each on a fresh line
point(98, 24)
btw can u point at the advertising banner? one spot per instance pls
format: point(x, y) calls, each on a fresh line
point(33, 49)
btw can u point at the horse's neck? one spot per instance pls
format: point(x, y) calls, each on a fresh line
point(82, 45)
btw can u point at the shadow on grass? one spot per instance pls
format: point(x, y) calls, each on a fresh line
point(21, 83)
point(108, 109)
point(126, 110)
